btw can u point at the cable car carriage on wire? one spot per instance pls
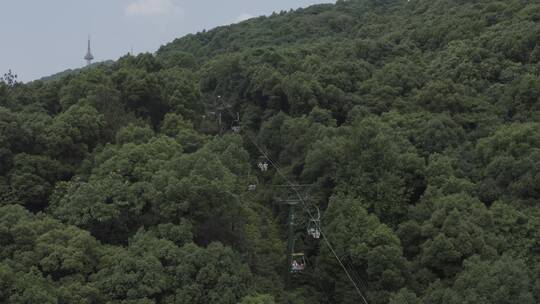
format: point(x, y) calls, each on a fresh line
point(314, 226)
point(262, 164)
point(298, 262)
point(252, 182)
point(236, 124)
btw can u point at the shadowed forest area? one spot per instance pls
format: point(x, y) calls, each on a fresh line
point(416, 125)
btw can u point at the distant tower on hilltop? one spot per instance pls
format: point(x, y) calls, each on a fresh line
point(89, 57)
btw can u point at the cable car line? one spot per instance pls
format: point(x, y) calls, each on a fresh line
point(292, 185)
point(324, 237)
point(355, 274)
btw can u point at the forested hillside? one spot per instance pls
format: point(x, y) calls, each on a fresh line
point(413, 126)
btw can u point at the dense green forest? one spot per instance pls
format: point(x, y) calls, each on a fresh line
point(414, 126)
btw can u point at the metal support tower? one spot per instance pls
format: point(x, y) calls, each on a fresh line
point(290, 235)
point(292, 200)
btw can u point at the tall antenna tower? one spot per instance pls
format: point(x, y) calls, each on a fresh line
point(89, 57)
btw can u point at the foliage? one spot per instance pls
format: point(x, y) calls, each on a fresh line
point(415, 122)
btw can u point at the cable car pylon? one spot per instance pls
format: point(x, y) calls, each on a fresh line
point(296, 261)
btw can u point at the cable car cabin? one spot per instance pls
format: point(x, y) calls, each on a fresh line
point(298, 262)
point(314, 232)
point(314, 226)
point(236, 124)
point(263, 164)
point(313, 229)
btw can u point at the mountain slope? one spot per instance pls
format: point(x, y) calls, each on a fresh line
point(415, 123)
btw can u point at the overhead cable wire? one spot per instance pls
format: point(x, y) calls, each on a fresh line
point(327, 242)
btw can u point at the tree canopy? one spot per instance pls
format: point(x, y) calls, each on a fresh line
point(412, 126)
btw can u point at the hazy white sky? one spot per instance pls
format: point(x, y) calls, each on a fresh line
point(42, 37)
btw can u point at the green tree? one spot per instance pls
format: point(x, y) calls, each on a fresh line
point(509, 163)
point(363, 242)
point(504, 280)
point(258, 299)
point(381, 169)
